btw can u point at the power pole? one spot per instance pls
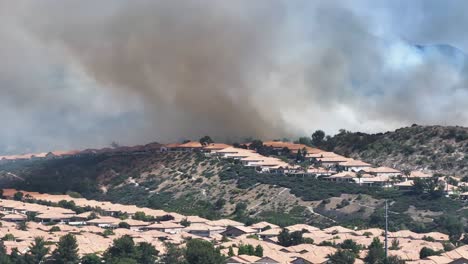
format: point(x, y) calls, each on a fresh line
point(386, 229)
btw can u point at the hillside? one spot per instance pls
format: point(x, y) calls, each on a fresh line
point(192, 184)
point(433, 148)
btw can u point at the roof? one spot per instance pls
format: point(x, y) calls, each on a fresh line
point(216, 146)
point(405, 183)
point(191, 144)
point(164, 225)
point(105, 220)
point(225, 223)
point(381, 170)
point(14, 217)
point(354, 163)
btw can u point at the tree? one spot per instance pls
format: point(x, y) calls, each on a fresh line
point(376, 252)
point(37, 251)
point(185, 222)
point(122, 248)
point(124, 225)
point(231, 251)
point(174, 255)
point(206, 140)
point(419, 186)
point(67, 251)
point(395, 244)
point(91, 259)
point(427, 252)
point(15, 257)
point(394, 260)
point(351, 246)
point(342, 256)
point(146, 253)
point(202, 252)
point(453, 226)
point(256, 144)
point(317, 138)
point(23, 226)
point(287, 239)
point(4, 258)
point(18, 196)
point(258, 251)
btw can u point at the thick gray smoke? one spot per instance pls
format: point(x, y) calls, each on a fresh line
point(76, 74)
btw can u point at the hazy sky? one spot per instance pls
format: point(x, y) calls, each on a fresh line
point(76, 74)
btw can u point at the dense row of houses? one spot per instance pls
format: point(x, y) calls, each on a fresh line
point(324, 165)
point(89, 228)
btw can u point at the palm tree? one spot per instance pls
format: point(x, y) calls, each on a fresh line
point(359, 176)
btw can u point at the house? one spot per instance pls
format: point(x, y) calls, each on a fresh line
point(344, 176)
point(212, 148)
point(204, 230)
point(405, 185)
point(309, 259)
point(52, 217)
point(105, 222)
point(15, 218)
point(242, 259)
point(382, 181)
point(382, 171)
point(225, 223)
point(235, 231)
point(419, 174)
point(166, 227)
point(190, 146)
point(269, 233)
point(354, 165)
point(267, 260)
point(328, 162)
point(259, 227)
point(136, 224)
point(279, 146)
point(459, 261)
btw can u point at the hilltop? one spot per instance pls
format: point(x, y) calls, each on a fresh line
point(432, 148)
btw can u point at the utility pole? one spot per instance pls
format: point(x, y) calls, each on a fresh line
point(386, 229)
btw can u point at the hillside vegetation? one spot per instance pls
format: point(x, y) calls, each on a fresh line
point(433, 148)
point(192, 184)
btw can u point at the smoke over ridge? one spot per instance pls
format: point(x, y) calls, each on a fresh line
point(78, 74)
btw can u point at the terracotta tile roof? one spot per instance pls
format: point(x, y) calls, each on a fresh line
point(216, 146)
point(191, 144)
point(381, 170)
point(354, 163)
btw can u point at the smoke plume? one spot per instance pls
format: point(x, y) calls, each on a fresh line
point(76, 73)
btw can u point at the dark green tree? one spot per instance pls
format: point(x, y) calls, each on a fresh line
point(376, 252)
point(4, 258)
point(202, 252)
point(318, 138)
point(124, 225)
point(206, 140)
point(18, 196)
point(351, 246)
point(67, 251)
point(258, 251)
point(427, 252)
point(394, 260)
point(122, 248)
point(16, 257)
point(342, 256)
point(231, 252)
point(91, 259)
point(174, 255)
point(37, 251)
point(146, 253)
